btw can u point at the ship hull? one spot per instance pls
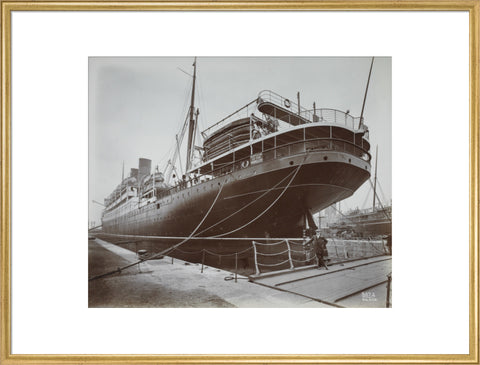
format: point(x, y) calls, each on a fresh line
point(269, 199)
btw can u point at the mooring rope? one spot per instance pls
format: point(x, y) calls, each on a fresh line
point(247, 205)
point(203, 219)
point(168, 249)
point(268, 208)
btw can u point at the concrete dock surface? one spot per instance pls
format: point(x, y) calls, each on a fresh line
point(159, 283)
point(357, 283)
point(174, 283)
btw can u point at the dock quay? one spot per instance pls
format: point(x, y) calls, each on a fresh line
point(173, 283)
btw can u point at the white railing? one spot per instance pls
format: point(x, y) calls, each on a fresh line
point(243, 112)
point(325, 115)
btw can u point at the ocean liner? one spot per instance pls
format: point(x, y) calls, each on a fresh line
point(260, 172)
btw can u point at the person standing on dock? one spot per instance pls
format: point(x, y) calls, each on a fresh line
point(320, 245)
point(389, 244)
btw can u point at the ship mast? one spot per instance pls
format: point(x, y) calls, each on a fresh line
point(366, 91)
point(191, 126)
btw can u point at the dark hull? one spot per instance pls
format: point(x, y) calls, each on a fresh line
point(322, 179)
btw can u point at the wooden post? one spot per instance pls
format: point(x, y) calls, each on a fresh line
point(389, 282)
point(203, 259)
point(236, 265)
point(257, 271)
point(289, 255)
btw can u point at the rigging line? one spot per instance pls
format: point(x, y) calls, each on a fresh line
point(166, 250)
point(186, 98)
point(197, 227)
point(381, 190)
point(381, 205)
point(170, 153)
point(201, 98)
point(366, 198)
point(271, 205)
point(246, 206)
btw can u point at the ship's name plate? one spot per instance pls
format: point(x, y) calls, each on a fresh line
point(256, 158)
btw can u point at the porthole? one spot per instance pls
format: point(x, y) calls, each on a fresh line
point(350, 160)
point(325, 158)
point(291, 163)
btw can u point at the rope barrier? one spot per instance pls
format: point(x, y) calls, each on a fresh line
point(303, 251)
point(187, 252)
point(281, 263)
point(272, 254)
point(289, 255)
point(269, 244)
point(296, 243)
point(227, 254)
point(310, 259)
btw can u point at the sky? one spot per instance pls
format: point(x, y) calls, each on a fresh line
point(138, 104)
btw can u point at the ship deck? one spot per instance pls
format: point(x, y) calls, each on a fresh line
point(170, 282)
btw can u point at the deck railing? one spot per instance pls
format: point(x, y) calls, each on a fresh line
point(325, 115)
point(243, 112)
point(285, 150)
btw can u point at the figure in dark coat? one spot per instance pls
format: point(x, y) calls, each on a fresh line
point(389, 244)
point(320, 245)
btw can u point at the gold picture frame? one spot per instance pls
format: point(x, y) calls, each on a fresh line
point(470, 6)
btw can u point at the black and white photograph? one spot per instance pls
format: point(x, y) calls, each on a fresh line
point(240, 182)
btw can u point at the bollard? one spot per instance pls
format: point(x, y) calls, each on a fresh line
point(389, 281)
point(236, 265)
point(172, 260)
point(203, 259)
